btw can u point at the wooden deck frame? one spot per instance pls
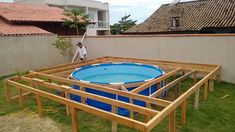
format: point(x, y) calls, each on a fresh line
point(154, 117)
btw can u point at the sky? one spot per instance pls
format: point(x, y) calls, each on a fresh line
point(139, 10)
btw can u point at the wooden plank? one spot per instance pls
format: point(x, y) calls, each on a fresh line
point(159, 102)
point(166, 111)
point(206, 91)
point(197, 95)
point(104, 114)
point(171, 84)
point(74, 115)
point(39, 104)
point(124, 89)
point(117, 103)
point(172, 122)
point(114, 124)
point(183, 112)
point(204, 68)
point(153, 82)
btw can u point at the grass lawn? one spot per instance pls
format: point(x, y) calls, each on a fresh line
point(215, 115)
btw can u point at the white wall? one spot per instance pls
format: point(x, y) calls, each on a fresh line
point(28, 53)
point(198, 49)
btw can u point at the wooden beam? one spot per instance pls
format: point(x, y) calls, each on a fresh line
point(104, 114)
point(39, 104)
point(124, 89)
point(172, 122)
point(159, 102)
point(153, 82)
point(171, 84)
point(17, 96)
point(117, 103)
point(166, 111)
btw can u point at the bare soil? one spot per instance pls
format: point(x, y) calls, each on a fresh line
point(27, 123)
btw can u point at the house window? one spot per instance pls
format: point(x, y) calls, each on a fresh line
point(175, 22)
point(91, 17)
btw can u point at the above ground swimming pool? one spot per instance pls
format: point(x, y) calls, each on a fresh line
point(116, 74)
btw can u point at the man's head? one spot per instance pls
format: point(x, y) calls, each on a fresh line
point(79, 44)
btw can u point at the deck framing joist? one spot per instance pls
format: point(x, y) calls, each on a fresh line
point(57, 78)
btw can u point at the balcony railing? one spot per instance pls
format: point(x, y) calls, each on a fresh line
point(99, 24)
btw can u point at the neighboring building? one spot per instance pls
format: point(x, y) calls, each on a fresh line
point(98, 12)
point(24, 19)
point(202, 16)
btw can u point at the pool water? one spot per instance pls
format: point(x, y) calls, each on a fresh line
point(117, 73)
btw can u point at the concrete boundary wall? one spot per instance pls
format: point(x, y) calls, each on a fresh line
point(210, 49)
point(21, 53)
point(36, 52)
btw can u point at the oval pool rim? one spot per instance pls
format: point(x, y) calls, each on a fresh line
point(117, 63)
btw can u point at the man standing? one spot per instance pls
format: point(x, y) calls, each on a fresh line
point(82, 52)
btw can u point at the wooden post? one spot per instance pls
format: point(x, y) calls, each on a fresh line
point(211, 85)
point(183, 112)
point(197, 95)
point(20, 98)
point(39, 103)
point(205, 91)
point(67, 95)
point(83, 99)
point(131, 111)
point(171, 127)
point(8, 92)
point(148, 105)
point(74, 116)
point(114, 124)
point(177, 90)
point(158, 87)
point(194, 78)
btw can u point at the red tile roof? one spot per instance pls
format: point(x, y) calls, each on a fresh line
point(25, 12)
point(7, 29)
point(193, 16)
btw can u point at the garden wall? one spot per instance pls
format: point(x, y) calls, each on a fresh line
point(36, 52)
point(210, 49)
point(28, 53)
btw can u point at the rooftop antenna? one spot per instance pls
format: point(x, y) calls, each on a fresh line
point(174, 2)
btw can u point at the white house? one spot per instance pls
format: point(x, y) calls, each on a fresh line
point(98, 12)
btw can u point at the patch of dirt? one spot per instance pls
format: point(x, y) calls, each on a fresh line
point(27, 123)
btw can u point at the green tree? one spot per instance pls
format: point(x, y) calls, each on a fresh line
point(123, 25)
point(76, 18)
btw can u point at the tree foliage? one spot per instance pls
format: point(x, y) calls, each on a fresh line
point(123, 25)
point(76, 18)
point(63, 45)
